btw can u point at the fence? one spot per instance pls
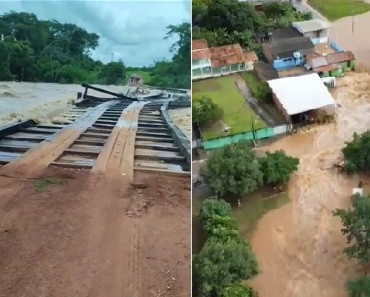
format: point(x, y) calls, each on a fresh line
point(258, 134)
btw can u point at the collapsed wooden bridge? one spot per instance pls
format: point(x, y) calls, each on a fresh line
point(118, 134)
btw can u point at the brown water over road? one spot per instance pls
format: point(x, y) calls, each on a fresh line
point(300, 245)
point(41, 101)
point(357, 41)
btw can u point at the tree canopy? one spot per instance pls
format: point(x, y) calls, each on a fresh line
point(226, 258)
point(223, 22)
point(359, 287)
point(356, 227)
point(204, 111)
point(233, 170)
point(277, 167)
point(238, 290)
point(357, 153)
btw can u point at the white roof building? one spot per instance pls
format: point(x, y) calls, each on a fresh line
point(299, 94)
point(316, 29)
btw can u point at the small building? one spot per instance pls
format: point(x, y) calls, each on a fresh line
point(288, 53)
point(301, 97)
point(316, 29)
point(334, 64)
point(278, 35)
point(217, 61)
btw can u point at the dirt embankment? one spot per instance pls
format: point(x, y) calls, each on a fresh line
point(300, 245)
point(182, 118)
point(95, 236)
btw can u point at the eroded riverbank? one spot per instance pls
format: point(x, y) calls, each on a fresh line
point(300, 245)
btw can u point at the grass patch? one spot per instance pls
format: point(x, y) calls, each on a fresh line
point(254, 206)
point(236, 113)
point(42, 184)
point(336, 9)
point(256, 85)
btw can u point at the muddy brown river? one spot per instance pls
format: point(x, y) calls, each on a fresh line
point(300, 245)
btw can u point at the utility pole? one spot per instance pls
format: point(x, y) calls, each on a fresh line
point(112, 57)
point(353, 20)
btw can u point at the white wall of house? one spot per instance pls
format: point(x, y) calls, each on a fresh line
point(225, 70)
point(319, 36)
point(201, 63)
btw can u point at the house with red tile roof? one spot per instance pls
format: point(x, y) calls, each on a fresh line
point(222, 60)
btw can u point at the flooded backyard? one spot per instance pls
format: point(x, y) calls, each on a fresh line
point(300, 245)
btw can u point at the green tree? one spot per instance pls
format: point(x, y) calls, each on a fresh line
point(356, 227)
point(220, 264)
point(359, 287)
point(214, 207)
point(233, 170)
point(357, 153)
point(277, 167)
point(113, 72)
point(204, 111)
point(238, 290)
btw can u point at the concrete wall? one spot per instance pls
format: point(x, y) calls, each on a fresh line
point(288, 63)
point(219, 71)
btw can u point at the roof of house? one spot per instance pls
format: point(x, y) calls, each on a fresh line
point(285, 33)
point(329, 62)
point(200, 49)
point(339, 57)
point(285, 48)
point(250, 56)
point(298, 94)
point(311, 25)
point(198, 44)
point(226, 55)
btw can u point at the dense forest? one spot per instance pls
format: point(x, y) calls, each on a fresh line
point(223, 22)
point(49, 51)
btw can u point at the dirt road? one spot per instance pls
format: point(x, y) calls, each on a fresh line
point(95, 235)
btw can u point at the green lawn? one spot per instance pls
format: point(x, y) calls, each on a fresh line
point(236, 113)
point(336, 9)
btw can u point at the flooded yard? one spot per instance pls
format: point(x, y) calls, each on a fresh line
point(300, 245)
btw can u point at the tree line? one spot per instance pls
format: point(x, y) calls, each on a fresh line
point(49, 51)
point(223, 22)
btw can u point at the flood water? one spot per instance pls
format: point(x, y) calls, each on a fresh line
point(299, 246)
point(358, 40)
point(40, 101)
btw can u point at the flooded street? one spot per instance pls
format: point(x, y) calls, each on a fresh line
point(357, 41)
point(300, 245)
point(40, 101)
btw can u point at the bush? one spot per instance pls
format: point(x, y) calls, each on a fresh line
point(238, 290)
point(233, 170)
point(205, 111)
point(220, 264)
point(225, 257)
point(359, 287)
point(277, 167)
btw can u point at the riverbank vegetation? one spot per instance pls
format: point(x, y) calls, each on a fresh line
point(336, 9)
point(356, 228)
point(223, 22)
point(226, 258)
point(236, 170)
point(49, 51)
point(357, 153)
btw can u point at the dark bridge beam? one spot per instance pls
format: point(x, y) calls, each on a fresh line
point(86, 86)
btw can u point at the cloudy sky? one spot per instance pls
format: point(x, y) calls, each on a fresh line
point(130, 30)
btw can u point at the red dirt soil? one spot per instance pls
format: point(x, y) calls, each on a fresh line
point(95, 235)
